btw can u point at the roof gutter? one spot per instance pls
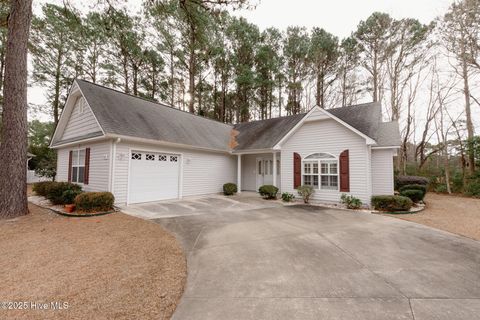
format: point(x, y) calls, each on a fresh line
point(254, 151)
point(76, 143)
point(385, 147)
point(164, 143)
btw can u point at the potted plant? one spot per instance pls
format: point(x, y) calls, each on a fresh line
point(68, 198)
point(69, 208)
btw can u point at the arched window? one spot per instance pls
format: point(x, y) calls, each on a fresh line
point(320, 170)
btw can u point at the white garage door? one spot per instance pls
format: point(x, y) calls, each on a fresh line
point(153, 176)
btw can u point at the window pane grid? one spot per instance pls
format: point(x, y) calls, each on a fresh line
point(323, 172)
point(78, 166)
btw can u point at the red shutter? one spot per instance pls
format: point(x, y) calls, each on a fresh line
point(344, 172)
point(87, 166)
point(297, 170)
point(70, 155)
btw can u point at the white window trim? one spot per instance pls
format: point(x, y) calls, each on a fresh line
point(319, 174)
point(78, 165)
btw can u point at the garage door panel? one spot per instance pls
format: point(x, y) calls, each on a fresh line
point(153, 176)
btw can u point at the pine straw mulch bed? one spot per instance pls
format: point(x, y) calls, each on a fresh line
point(107, 267)
point(460, 215)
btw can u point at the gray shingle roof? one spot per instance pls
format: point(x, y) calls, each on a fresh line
point(264, 134)
point(367, 118)
point(123, 114)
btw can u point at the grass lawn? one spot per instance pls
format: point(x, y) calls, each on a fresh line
point(108, 267)
point(455, 214)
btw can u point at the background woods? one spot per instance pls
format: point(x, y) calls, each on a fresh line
point(198, 56)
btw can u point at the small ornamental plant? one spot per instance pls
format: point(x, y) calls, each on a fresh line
point(287, 197)
point(305, 192)
point(351, 202)
point(229, 189)
point(268, 191)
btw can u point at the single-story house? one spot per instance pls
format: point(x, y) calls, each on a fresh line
point(144, 151)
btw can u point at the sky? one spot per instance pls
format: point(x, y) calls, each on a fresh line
point(339, 17)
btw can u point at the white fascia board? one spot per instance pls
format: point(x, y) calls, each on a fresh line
point(293, 130)
point(254, 151)
point(73, 95)
point(369, 140)
point(385, 147)
point(164, 143)
point(78, 142)
point(67, 109)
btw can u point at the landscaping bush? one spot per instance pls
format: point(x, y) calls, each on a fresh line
point(55, 190)
point(287, 197)
point(391, 203)
point(306, 192)
point(68, 196)
point(94, 201)
point(441, 188)
point(414, 187)
point(268, 191)
point(401, 181)
point(351, 202)
point(414, 195)
point(473, 188)
point(40, 188)
point(229, 189)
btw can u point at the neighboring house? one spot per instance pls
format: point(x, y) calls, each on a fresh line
point(143, 151)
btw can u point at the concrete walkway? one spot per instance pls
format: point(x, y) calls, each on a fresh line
point(277, 262)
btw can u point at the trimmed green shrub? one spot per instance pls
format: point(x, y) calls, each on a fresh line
point(68, 196)
point(229, 189)
point(414, 195)
point(441, 188)
point(306, 192)
point(401, 181)
point(268, 191)
point(94, 201)
point(391, 203)
point(54, 191)
point(414, 187)
point(351, 202)
point(287, 197)
point(40, 188)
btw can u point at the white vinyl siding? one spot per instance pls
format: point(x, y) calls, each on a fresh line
point(99, 165)
point(81, 121)
point(328, 136)
point(62, 164)
point(382, 172)
point(203, 172)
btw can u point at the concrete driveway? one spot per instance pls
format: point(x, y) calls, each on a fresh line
point(275, 262)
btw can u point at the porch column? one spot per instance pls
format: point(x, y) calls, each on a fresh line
point(239, 173)
point(274, 173)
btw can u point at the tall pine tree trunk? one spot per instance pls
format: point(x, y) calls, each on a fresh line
point(13, 150)
point(468, 113)
point(172, 79)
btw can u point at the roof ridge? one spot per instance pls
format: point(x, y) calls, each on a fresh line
point(357, 105)
point(276, 118)
point(154, 102)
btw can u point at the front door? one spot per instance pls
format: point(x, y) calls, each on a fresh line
point(264, 172)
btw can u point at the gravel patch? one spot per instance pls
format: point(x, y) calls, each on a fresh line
point(107, 267)
point(460, 215)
